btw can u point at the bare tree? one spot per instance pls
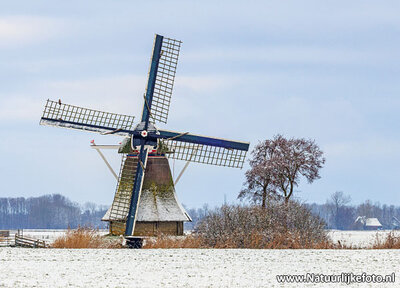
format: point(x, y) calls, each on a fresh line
point(368, 209)
point(339, 199)
point(90, 206)
point(297, 158)
point(341, 215)
point(260, 179)
point(277, 165)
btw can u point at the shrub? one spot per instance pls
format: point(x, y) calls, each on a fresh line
point(390, 242)
point(279, 225)
point(85, 237)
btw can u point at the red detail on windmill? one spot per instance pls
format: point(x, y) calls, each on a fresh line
point(143, 133)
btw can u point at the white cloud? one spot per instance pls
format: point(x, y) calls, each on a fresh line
point(371, 148)
point(119, 94)
point(290, 54)
point(23, 30)
point(19, 108)
point(314, 17)
point(202, 83)
point(113, 94)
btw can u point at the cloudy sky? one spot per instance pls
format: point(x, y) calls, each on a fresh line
point(326, 70)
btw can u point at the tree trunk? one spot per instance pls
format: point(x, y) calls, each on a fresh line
point(287, 200)
point(264, 198)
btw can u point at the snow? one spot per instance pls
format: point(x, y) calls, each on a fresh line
point(368, 222)
point(48, 235)
point(360, 239)
point(22, 267)
point(373, 222)
point(160, 207)
point(357, 239)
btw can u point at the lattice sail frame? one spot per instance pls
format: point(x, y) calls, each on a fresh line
point(69, 116)
point(202, 153)
point(123, 194)
point(165, 79)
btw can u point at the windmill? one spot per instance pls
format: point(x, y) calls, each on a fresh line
point(144, 140)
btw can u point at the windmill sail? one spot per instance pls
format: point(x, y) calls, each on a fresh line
point(136, 192)
point(202, 149)
point(120, 207)
point(164, 82)
point(123, 194)
point(68, 116)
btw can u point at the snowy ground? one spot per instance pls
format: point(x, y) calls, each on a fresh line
point(360, 239)
point(22, 267)
point(48, 235)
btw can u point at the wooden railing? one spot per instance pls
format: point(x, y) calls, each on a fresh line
point(6, 241)
point(29, 242)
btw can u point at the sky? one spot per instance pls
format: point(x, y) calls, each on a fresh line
point(248, 70)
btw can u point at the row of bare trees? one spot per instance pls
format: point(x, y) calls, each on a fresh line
point(339, 213)
point(48, 212)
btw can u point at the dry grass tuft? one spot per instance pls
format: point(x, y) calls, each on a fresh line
point(85, 237)
point(252, 241)
point(390, 242)
point(277, 241)
point(90, 238)
point(165, 242)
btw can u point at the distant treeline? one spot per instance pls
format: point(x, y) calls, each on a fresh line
point(196, 215)
point(58, 212)
point(339, 213)
point(48, 212)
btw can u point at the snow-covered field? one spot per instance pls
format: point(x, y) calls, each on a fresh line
point(48, 235)
point(357, 239)
point(360, 239)
point(22, 267)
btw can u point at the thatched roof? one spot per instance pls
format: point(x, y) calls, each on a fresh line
point(158, 207)
point(368, 222)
